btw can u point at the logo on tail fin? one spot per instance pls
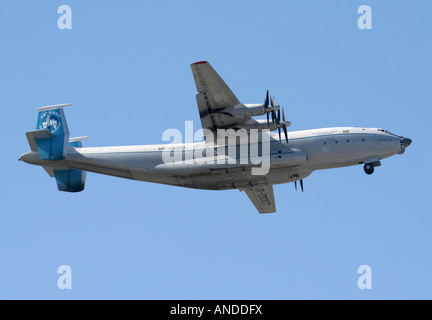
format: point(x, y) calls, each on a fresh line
point(50, 120)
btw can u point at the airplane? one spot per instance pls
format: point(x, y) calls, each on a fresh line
point(291, 158)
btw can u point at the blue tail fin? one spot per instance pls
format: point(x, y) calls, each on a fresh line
point(51, 141)
point(71, 180)
point(52, 119)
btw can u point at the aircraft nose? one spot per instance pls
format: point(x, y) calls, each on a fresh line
point(406, 141)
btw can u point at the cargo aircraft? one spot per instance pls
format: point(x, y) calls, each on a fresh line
point(292, 156)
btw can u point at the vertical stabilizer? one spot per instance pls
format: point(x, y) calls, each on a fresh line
point(52, 119)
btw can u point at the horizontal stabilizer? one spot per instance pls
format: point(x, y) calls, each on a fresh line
point(78, 138)
point(76, 142)
point(50, 171)
point(54, 107)
point(37, 134)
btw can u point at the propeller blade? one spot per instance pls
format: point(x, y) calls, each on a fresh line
point(273, 113)
point(284, 128)
point(277, 122)
point(295, 184)
point(301, 184)
point(266, 105)
point(266, 102)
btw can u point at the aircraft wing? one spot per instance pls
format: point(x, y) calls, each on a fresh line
point(213, 98)
point(262, 197)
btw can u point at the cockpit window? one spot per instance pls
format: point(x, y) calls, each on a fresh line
point(386, 131)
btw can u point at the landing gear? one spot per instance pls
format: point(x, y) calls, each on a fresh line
point(368, 168)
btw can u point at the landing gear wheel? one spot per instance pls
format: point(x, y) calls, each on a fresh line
point(368, 168)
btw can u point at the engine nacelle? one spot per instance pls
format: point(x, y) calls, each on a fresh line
point(288, 157)
point(259, 125)
point(246, 110)
point(249, 110)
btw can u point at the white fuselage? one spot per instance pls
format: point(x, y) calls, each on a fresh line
point(320, 148)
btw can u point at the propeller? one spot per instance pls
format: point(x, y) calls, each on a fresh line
point(276, 117)
point(301, 184)
point(282, 124)
point(284, 127)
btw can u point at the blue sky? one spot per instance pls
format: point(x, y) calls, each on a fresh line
point(125, 67)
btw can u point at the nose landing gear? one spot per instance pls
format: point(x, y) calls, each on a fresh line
point(368, 168)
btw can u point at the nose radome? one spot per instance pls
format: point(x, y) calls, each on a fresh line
point(406, 141)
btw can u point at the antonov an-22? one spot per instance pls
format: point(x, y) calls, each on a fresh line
point(290, 159)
